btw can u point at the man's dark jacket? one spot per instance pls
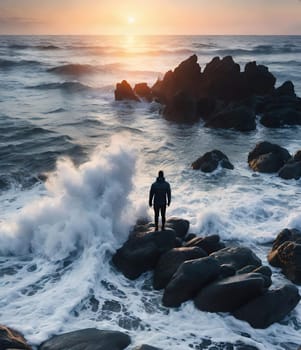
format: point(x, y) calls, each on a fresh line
point(160, 191)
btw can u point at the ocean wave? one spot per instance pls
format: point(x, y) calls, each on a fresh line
point(10, 63)
point(57, 110)
point(73, 69)
point(260, 50)
point(86, 206)
point(80, 69)
point(37, 47)
point(68, 86)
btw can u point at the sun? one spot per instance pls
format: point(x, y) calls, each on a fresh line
point(131, 20)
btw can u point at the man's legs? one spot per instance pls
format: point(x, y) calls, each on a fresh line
point(163, 211)
point(156, 210)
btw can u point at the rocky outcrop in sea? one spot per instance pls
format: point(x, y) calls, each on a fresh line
point(222, 95)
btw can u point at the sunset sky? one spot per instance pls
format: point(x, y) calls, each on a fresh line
point(150, 17)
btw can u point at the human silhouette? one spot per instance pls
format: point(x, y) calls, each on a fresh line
point(161, 193)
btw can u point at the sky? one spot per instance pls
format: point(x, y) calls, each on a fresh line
point(155, 17)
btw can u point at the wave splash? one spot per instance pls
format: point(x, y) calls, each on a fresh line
point(84, 206)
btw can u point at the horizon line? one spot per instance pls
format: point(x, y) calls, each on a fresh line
point(62, 34)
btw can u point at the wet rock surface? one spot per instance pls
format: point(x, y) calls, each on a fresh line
point(211, 160)
point(12, 339)
point(86, 339)
point(286, 254)
point(267, 157)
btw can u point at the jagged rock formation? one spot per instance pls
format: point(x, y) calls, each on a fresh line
point(222, 95)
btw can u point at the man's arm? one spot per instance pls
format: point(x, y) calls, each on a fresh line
point(168, 195)
point(151, 195)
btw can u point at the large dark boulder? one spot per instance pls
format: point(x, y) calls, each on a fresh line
point(180, 226)
point(143, 249)
point(292, 169)
point(211, 160)
point(144, 91)
point(87, 339)
point(170, 261)
point(190, 277)
point(286, 235)
point(280, 117)
point(267, 157)
point(258, 80)
point(209, 244)
point(12, 339)
point(236, 257)
point(270, 307)
point(241, 118)
point(286, 254)
point(230, 293)
point(124, 91)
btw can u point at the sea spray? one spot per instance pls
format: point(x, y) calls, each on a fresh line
point(84, 206)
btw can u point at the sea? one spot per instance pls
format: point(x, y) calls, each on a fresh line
point(76, 168)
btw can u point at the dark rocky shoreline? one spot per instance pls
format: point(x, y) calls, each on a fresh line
point(217, 278)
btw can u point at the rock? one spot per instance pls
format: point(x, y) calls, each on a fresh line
point(185, 78)
point(222, 80)
point(267, 157)
point(271, 307)
point(87, 339)
point(281, 108)
point(211, 160)
point(239, 118)
point(146, 347)
point(246, 269)
point(286, 254)
point(189, 237)
point(292, 169)
point(182, 108)
point(227, 271)
point(237, 257)
point(125, 92)
point(264, 270)
point(12, 339)
point(281, 117)
point(209, 244)
point(180, 226)
point(286, 89)
point(286, 235)
point(144, 91)
point(230, 293)
point(258, 79)
point(190, 277)
point(142, 250)
point(170, 261)
point(206, 107)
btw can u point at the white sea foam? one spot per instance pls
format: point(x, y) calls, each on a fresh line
point(83, 205)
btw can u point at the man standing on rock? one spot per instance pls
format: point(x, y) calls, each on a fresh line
point(160, 191)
